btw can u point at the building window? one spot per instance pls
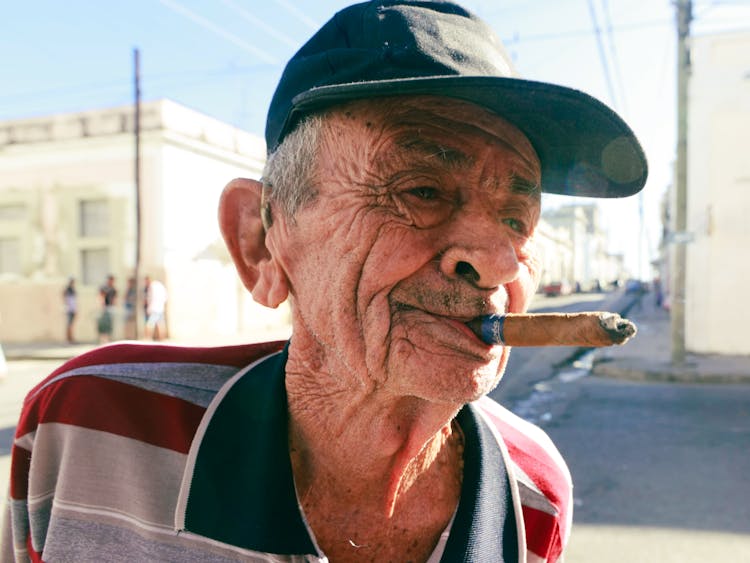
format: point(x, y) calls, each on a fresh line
point(13, 212)
point(94, 265)
point(10, 256)
point(94, 218)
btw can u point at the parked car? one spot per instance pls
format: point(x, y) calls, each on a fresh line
point(636, 286)
point(555, 288)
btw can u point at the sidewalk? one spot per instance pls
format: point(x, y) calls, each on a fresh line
point(62, 351)
point(648, 355)
point(45, 350)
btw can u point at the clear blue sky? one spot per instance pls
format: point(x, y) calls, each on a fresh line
point(223, 58)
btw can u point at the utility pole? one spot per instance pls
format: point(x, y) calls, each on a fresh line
point(137, 176)
point(684, 16)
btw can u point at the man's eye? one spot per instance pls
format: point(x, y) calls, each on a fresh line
point(427, 194)
point(515, 224)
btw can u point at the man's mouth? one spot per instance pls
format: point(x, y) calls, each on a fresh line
point(468, 323)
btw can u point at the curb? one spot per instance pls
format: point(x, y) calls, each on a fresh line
point(665, 373)
point(698, 369)
point(57, 352)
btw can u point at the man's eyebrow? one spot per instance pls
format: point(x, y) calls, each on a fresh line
point(520, 185)
point(429, 149)
point(455, 158)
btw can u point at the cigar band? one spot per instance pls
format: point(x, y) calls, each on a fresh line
point(492, 329)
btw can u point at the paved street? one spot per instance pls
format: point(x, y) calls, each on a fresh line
point(660, 469)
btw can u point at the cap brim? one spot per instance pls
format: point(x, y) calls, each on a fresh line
point(584, 147)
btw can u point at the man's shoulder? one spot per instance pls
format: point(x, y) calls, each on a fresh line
point(518, 433)
point(136, 356)
point(128, 352)
point(531, 450)
point(542, 477)
point(143, 377)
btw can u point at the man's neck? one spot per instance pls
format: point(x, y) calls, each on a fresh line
point(371, 469)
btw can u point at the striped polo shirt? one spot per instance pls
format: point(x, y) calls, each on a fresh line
point(164, 453)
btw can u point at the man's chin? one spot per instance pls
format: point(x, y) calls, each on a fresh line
point(451, 380)
point(466, 390)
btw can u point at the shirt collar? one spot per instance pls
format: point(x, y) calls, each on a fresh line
point(239, 488)
point(484, 528)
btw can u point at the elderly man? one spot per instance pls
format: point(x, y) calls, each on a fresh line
point(399, 202)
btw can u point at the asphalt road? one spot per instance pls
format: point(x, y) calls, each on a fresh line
point(659, 470)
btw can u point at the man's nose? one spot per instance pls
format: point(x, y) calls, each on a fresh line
point(482, 253)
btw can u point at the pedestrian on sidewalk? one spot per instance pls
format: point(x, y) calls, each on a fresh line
point(70, 301)
point(156, 305)
point(105, 321)
point(399, 203)
point(658, 293)
point(130, 303)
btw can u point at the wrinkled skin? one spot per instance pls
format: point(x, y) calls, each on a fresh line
point(424, 218)
point(379, 262)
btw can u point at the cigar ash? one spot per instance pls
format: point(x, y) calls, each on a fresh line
point(619, 330)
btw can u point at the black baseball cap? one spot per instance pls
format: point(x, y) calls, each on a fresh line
point(419, 47)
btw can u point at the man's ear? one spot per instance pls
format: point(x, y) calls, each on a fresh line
point(245, 237)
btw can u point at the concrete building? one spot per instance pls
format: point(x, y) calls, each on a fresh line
point(555, 253)
point(589, 261)
point(67, 208)
point(718, 194)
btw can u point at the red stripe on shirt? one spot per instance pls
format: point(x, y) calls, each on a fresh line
point(535, 461)
point(33, 555)
point(111, 406)
point(232, 356)
point(546, 474)
point(20, 466)
point(540, 527)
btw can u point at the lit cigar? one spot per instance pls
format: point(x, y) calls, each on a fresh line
point(596, 328)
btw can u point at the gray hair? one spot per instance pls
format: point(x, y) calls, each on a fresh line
point(289, 173)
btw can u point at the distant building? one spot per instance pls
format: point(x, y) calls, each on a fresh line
point(588, 261)
point(718, 195)
point(67, 208)
point(555, 248)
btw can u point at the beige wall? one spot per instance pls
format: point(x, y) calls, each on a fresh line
point(32, 311)
point(205, 295)
point(50, 177)
point(555, 249)
point(576, 246)
point(716, 308)
point(50, 164)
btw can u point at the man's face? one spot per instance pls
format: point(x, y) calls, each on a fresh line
point(423, 220)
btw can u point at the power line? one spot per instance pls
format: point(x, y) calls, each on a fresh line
point(218, 30)
point(740, 3)
point(517, 38)
point(299, 14)
point(615, 59)
point(91, 90)
point(77, 89)
point(602, 56)
point(270, 30)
